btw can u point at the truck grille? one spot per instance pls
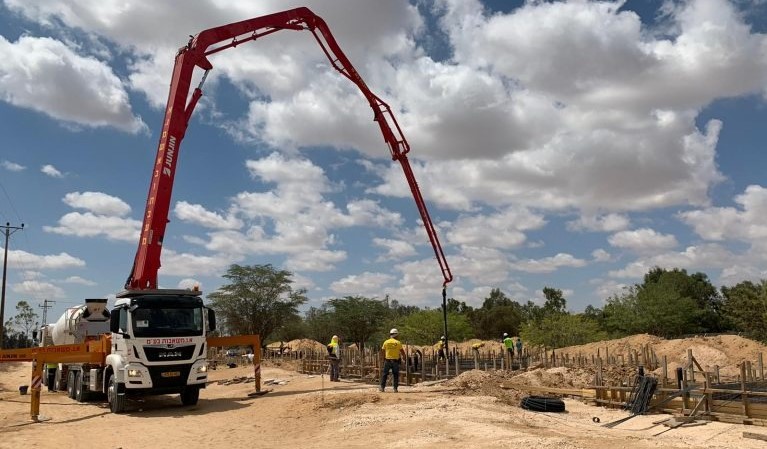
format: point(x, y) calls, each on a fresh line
point(169, 355)
point(169, 375)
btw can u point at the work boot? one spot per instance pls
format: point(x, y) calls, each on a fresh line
point(395, 390)
point(381, 389)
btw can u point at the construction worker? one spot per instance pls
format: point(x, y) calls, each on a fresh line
point(440, 346)
point(392, 352)
point(508, 342)
point(518, 344)
point(475, 350)
point(334, 354)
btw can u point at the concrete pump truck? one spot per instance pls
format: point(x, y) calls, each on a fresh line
point(154, 340)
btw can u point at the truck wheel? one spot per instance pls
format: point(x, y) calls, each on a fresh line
point(71, 379)
point(81, 394)
point(190, 395)
point(116, 400)
point(58, 382)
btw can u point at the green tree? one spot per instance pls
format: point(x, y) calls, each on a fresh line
point(426, 326)
point(696, 286)
point(357, 318)
point(257, 300)
point(562, 329)
point(665, 304)
point(453, 305)
point(555, 301)
point(665, 312)
point(745, 305)
point(532, 312)
point(292, 329)
point(621, 312)
point(497, 315)
point(25, 318)
point(319, 323)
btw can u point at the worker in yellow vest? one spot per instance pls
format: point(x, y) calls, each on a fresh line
point(334, 355)
point(508, 342)
point(440, 347)
point(392, 352)
point(475, 350)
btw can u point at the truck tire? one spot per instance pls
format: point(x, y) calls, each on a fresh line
point(71, 380)
point(58, 382)
point(190, 395)
point(115, 398)
point(81, 392)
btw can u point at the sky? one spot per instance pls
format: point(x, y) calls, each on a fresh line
point(569, 144)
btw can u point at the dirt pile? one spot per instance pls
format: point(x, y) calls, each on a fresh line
point(725, 351)
point(304, 344)
point(485, 383)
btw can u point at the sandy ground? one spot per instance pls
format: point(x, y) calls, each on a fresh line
point(310, 412)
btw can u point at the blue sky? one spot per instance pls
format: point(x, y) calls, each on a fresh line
point(565, 144)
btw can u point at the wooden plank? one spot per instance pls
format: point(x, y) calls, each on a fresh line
point(755, 436)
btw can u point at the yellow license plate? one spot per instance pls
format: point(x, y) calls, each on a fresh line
point(171, 374)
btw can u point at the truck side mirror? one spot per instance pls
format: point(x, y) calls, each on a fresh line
point(114, 323)
point(211, 320)
point(34, 335)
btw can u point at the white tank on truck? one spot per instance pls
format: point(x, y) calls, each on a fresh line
point(78, 323)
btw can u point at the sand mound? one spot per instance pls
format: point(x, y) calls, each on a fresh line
point(724, 351)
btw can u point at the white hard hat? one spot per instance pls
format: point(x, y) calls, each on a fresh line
point(442, 337)
point(505, 334)
point(394, 331)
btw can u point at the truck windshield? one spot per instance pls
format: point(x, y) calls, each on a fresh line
point(167, 321)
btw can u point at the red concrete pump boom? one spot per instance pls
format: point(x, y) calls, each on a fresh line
point(178, 112)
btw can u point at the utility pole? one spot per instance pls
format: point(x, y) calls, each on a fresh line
point(45, 306)
point(7, 230)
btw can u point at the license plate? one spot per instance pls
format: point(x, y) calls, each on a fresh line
point(171, 374)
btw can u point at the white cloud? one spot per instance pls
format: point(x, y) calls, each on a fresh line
point(721, 223)
point(98, 203)
point(188, 264)
point(195, 213)
point(484, 266)
point(395, 249)
point(365, 284)
point(47, 76)
point(79, 280)
point(91, 225)
point(38, 289)
point(29, 261)
point(12, 166)
point(548, 264)
point(51, 171)
point(420, 284)
point(189, 284)
point(643, 240)
point(572, 107)
point(504, 229)
point(604, 223)
point(606, 288)
point(316, 260)
point(600, 255)
point(700, 257)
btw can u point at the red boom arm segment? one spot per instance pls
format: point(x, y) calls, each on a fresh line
point(178, 113)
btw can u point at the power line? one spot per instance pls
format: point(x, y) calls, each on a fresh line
point(8, 231)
